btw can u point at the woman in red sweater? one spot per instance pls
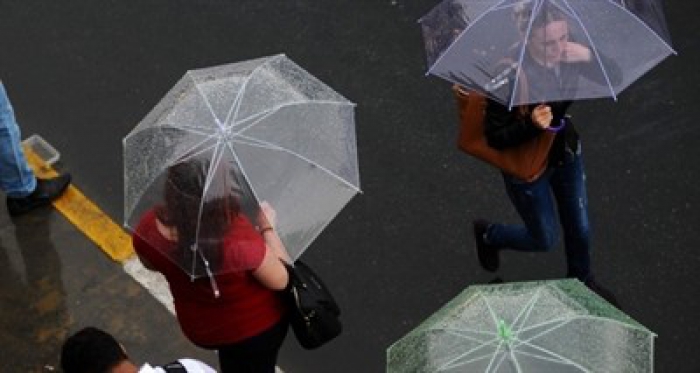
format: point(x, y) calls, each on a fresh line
point(229, 301)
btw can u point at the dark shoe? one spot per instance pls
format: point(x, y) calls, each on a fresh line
point(603, 292)
point(487, 254)
point(46, 191)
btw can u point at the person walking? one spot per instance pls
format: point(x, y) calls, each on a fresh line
point(24, 191)
point(240, 312)
point(551, 59)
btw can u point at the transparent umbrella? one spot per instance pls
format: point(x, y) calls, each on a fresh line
point(548, 326)
point(226, 140)
point(530, 51)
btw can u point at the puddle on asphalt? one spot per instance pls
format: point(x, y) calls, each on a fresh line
point(33, 317)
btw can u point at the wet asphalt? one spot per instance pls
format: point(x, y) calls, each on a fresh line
point(82, 73)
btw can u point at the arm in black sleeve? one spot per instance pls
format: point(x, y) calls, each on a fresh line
point(505, 128)
point(592, 69)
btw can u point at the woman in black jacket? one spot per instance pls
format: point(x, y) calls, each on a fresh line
point(553, 65)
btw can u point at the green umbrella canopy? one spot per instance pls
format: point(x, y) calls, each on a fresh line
point(544, 326)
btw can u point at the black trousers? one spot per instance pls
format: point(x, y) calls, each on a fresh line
point(257, 354)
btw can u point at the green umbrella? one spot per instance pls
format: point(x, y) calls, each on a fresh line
point(546, 326)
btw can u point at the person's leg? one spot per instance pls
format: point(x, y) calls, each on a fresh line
point(257, 354)
point(24, 191)
point(535, 205)
point(569, 186)
point(16, 178)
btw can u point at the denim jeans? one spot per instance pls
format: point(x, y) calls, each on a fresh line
point(562, 187)
point(16, 178)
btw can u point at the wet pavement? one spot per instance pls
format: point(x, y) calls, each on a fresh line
point(53, 282)
point(83, 73)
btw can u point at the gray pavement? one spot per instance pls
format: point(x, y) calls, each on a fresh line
point(53, 281)
point(83, 73)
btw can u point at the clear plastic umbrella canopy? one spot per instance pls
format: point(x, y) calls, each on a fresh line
point(555, 326)
point(530, 51)
point(225, 140)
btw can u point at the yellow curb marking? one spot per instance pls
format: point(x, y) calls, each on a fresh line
point(85, 215)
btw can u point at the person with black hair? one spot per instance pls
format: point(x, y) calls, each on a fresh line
point(92, 350)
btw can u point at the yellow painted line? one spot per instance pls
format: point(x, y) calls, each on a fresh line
point(85, 215)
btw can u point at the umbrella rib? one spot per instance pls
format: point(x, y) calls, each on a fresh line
point(192, 155)
point(250, 142)
point(493, 357)
point(451, 363)
point(239, 97)
point(670, 48)
point(529, 307)
point(494, 317)
point(165, 166)
point(276, 108)
point(528, 31)
point(561, 319)
point(546, 331)
point(243, 170)
point(207, 183)
point(515, 361)
point(541, 357)
point(265, 144)
point(206, 102)
point(465, 330)
point(255, 118)
point(562, 358)
point(613, 321)
point(593, 47)
point(216, 160)
point(587, 317)
point(500, 361)
point(187, 128)
point(461, 34)
point(456, 334)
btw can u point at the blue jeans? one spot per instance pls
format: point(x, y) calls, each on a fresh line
point(16, 178)
point(561, 186)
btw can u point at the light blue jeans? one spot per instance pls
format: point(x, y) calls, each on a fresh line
point(562, 189)
point(16, 178)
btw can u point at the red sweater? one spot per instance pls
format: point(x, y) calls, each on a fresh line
point(244, 308)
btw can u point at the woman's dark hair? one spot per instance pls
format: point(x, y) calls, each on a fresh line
point(522, 15)
point(91, 350)
point(199, 219)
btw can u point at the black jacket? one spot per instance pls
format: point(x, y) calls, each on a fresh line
point(506, 128)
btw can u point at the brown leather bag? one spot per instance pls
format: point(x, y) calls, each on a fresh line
point(526, 161)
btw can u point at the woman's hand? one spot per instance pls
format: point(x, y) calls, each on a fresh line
point(266, 216)
point(542, 116)
point(575, 52)
point(266, 220)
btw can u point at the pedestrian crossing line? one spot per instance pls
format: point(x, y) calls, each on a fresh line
point(85, 215)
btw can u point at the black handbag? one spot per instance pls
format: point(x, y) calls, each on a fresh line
point(314, 314)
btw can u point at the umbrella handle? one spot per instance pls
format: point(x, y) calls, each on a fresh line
point(562, 123)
